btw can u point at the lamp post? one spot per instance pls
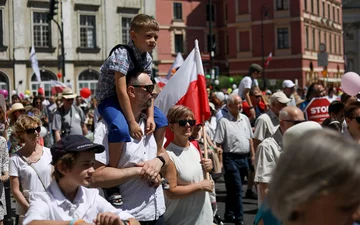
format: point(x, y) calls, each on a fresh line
point(210, 44)
point(264, 13)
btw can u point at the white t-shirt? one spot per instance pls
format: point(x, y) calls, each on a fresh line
point(194, 209)
point(53, 205)
point(27, 176)
point(245, 83)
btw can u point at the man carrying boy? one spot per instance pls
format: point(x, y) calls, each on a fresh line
point(115, 106)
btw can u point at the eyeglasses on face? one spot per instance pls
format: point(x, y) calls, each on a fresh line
point(357, 119)
point(295, 121)
point(69, 99)
point(38, 103)
point(32, 130)
point(148, 88)
point(182, 123)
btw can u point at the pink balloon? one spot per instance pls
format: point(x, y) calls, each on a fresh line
point(350, 83)
point(21, 95)
point(4, 92)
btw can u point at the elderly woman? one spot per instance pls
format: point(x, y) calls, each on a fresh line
point(30, 167)
point(316, 181)
point(187, 199)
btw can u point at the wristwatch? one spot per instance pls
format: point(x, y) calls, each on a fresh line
point(125, 222)
point(162, 160)
point(251, 107)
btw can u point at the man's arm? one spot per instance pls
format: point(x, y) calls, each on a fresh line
point(252, 151)
point(248, 100)
point(84, 129)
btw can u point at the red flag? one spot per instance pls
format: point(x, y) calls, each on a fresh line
point(187, 87)
point(266, 64)
point(57, 87)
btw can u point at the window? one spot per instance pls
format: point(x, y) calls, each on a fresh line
point(318, 7)
point(88, 79)
point(227, 43)
point(338, 15)
point(325, 41)
point(312, 6)
point(226, 11)
point(305, 5)
point(307, 38)
point(41, 31)
point(283, 38)
point(331, 46)
point(208, 11)
point(46, 77)
point(4, 82)
point(323, 8)
point(179, 43)
point(177, 11)
point(1, 29)
point(87, 31)
point(328, 16)
point(335, 43)
point(333, 15)
point(313, 39)
point(282, 4)
point(125, 30)
point(319, 36)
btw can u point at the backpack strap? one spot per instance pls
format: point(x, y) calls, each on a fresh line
point(130, 51)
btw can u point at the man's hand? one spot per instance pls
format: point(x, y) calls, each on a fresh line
point(107, 218)
point(151, 169)
point(252, 114)
point(4, 178)
point(207, 164)
point(219, 150)
point(135, 131)
point(150, 125)
point(253, 160)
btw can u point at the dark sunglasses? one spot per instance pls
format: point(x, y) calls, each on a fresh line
point(182, 123)
point(148, 88)
point(69, 99)
point(357, 119)
point(32, 130)
point(295, 121)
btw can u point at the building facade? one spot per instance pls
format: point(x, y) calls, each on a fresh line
point(246, 31)
point(351, 16)
point(91, 29)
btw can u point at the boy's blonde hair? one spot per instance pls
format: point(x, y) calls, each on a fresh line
point(142, 21)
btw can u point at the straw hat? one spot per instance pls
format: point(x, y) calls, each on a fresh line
point(67, 93)
point(15, 107)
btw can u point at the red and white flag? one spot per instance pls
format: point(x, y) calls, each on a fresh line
point(161, 82)
point(268, 60)
point(57, 87)
point(187, 87)
point(179, 60)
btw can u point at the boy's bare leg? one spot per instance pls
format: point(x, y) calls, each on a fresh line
point(159, 135)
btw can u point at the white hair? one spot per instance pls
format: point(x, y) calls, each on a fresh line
point(231, 98)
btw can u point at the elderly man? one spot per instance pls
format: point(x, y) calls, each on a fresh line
point(136, 175)
point(269, 151)
point(68, 119)
point(288, 89)
point(267, 123)
point(234, 135)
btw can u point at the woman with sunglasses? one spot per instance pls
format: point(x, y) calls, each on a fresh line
point(187, 199)
point(352, 118)
point(30, 167)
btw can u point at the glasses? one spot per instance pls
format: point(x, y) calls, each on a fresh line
point(182, 123)
point(357, 119)
point(148, 88)
point(69, 99)
point(38, 103)
point(32, 130)
point(295, 121)
point(257, 96)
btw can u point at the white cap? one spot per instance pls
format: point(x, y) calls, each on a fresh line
point(220, 95)
point(293, 133)
point(288, 84)
point(280, 97)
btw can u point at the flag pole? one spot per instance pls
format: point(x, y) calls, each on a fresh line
point(206, 153)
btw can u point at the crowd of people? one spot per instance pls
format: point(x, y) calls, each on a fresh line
point(104, 162)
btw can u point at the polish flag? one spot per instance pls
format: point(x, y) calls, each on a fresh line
point(268, 60)
point(57, 87)
point(179, 60)
point(161, 82)
point(187, 87)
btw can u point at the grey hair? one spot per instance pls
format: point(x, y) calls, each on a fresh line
point(231, 98)
point(318, 163)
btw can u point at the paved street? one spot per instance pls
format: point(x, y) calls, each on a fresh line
point(250, 205)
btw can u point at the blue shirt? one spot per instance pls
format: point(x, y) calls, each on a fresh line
point(120, 61)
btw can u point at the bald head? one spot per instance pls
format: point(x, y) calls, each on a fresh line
point(289, 116)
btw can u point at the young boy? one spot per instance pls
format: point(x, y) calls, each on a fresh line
point(66, 201)
point(114, 104)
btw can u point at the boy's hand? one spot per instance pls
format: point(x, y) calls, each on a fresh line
point(150, 125)
point(135, 131)
point(107, 218)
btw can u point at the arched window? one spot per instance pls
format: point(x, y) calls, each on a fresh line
point(89, 79)
point(46, 77)
point(4, 82)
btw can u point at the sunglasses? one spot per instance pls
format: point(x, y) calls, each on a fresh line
point(38, 103)
point(182, 123)
point(32, 130)
point(69, 99)
point(295, 121)
point(148, 88)
point(357, 119)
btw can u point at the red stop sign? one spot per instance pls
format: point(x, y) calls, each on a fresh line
point(317, 110)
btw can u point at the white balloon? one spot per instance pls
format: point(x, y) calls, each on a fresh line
point(43, 132)
point(217, 82)
point(234, 86)
point(13, 92)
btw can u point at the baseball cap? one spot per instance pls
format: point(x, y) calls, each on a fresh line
point(73, 143)
point(280, 97)
point(256, 67)
point(288, 84)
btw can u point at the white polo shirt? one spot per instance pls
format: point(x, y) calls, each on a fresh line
point(143, 202)
point(266, 125)
point(246, 83)
point(53, 205)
